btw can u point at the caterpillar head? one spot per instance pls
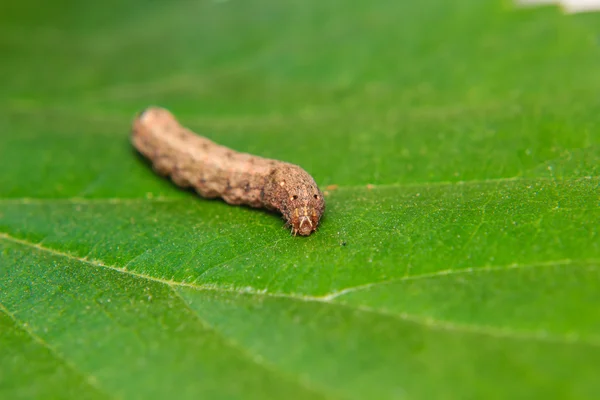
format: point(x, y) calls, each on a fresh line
point(305, 207)
point(297, 197)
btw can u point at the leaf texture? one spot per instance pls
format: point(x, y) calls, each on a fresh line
point(459, 257)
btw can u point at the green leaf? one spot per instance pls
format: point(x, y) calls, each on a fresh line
point(459, 256)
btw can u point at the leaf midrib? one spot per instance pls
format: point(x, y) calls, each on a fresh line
point(91, 380)
point(328, 299)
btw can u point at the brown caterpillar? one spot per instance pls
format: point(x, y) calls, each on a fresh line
point(217, 171)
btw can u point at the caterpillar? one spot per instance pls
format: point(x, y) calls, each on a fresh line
point(212, 170)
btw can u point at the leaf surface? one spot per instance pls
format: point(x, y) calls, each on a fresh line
point(459, 256)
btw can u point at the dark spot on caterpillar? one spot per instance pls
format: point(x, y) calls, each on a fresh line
point(182, 134)
point(192, 160)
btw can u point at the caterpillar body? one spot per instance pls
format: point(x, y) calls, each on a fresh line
point(214, 171)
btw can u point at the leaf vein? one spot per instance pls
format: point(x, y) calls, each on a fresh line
point(461, 271)
point(247, 353)
point(88, 378)
point(328, 299)
point(398, 185)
